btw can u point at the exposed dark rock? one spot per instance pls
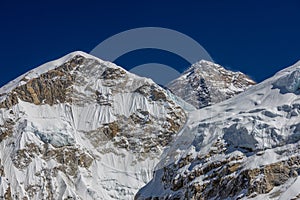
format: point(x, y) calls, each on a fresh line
point(111, 129)
point(220, 182)
point(6, 129)
point(113, 73)
point(270, 114)
point(8, 195)
point(51, 88)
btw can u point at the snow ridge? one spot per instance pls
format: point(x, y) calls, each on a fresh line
point(237, 148)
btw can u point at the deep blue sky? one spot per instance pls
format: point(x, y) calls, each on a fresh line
point(250, 36)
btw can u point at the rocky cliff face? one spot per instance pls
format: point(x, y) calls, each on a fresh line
point(243, 148)
point(82, 128)
point(50, 88)
point(206, 83)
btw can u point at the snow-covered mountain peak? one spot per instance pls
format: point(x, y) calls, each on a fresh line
point(40, 70)
point(61, 74)
point(82, 128)
point(52, 65)
point(206, 64)
point(206, 83)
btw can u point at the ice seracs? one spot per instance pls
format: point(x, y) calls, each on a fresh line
point(247, 147)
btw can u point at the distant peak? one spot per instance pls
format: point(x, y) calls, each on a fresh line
point(204, 65)
point(204, 62)
point(206, 83)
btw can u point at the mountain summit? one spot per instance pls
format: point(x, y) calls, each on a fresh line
point(82, 128)
point(206, 83)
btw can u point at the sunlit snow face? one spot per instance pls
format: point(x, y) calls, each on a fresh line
point(152, 38)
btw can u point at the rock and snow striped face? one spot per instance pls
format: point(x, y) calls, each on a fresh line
point(83, 128)
point(70, 122)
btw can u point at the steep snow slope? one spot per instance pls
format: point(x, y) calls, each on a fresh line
point(206, 83)
point(243, 148)
point(82, 128)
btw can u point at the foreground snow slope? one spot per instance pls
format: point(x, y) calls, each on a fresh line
point(243, 148)
point(82, 128)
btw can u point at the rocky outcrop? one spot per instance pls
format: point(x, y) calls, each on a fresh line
point(8, 195)
point(113, 73)
point(6, 129)
point(152, 92)
point(69, 158)
point(222, 179)
point(51, 88)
